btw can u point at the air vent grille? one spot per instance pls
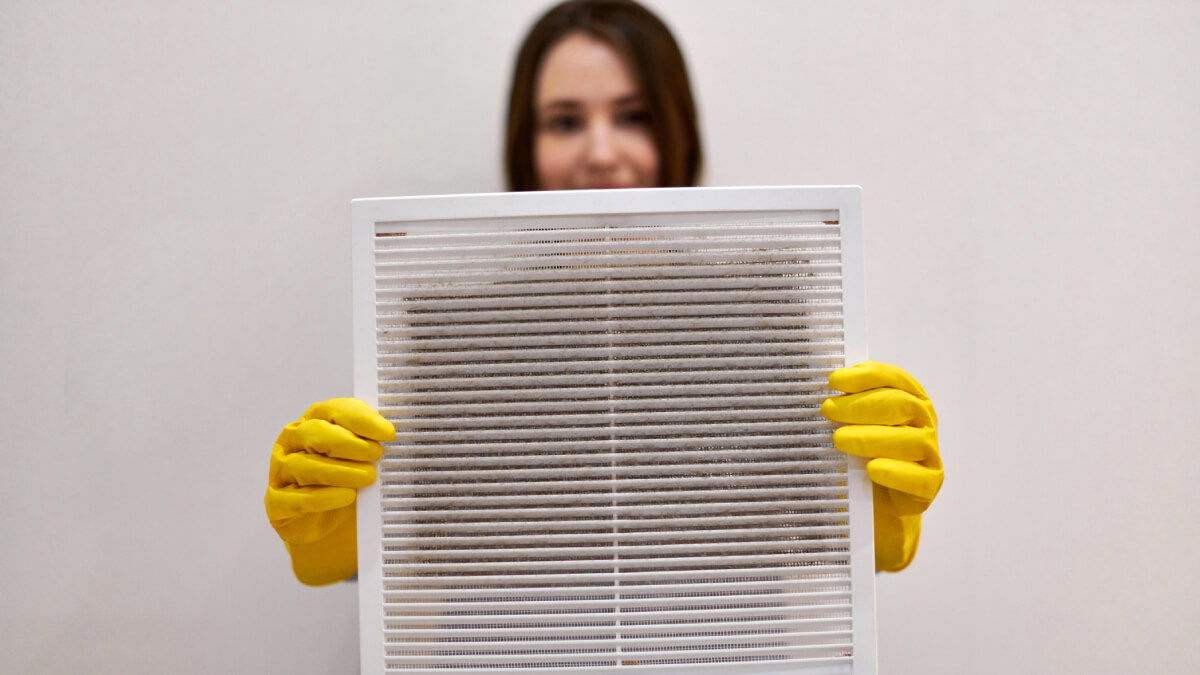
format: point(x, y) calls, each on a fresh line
point(610, 452)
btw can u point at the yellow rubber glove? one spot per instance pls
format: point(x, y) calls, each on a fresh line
point(317, 466)
point(890, 420)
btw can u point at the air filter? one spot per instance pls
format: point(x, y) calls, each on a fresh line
point(610, 456)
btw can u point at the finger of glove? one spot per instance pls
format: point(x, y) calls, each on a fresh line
point(918, 481)
point(315, 528)
point(903, 504)
point(303, 468)
point(892, 407)
point(875, 375)
point(354, 415)
point(284, 503)
point(893, 503)
point(910, 444)
point(327, 438)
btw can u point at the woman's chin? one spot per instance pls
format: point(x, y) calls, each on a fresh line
point(606, 186)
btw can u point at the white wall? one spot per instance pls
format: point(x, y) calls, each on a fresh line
point(174, 286)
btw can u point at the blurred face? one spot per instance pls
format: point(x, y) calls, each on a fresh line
point(592, 126)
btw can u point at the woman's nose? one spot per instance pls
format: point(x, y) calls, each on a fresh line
point(602, 150)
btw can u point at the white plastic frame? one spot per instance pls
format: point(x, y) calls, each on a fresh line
point(467, 212)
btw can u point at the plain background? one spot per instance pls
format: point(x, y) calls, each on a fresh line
point(175, 182)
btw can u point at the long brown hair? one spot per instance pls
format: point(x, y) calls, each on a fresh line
point(654, 57)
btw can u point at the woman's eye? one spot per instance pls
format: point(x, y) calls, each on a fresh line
point(563, 123)
point(633, 118)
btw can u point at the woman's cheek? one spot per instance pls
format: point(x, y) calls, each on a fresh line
point(642, 155)
point(552, 159)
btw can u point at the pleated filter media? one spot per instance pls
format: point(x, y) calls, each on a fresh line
point(610, 456)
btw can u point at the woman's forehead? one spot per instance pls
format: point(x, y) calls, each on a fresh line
point(583, 69)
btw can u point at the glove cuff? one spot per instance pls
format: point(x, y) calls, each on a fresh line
point(896, 540)
point(330, 560)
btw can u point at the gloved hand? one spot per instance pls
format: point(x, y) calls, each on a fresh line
point(317, 466)
point(890, 420)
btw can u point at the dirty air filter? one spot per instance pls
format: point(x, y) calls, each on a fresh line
point(610, 456)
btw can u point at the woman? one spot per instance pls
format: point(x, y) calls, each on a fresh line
point(600, 99)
